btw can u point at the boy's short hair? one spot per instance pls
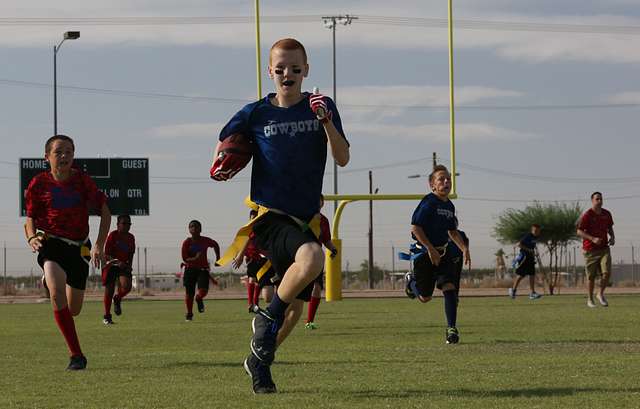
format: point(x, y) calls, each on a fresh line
point(436, 169)
point(536, 225)
point(123, 217)
point(288, 44)
point(196, 222)
point(595, 193)
point(59, 137)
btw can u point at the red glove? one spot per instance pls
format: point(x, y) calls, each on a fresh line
point(227, 164)
point(319, 107)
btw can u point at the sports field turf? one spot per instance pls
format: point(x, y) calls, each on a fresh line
point(554, 352)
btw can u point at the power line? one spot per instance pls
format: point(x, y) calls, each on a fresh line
point(426, 22)
point(207, 99)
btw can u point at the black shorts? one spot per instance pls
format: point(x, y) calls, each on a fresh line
point(110, 274)
point(527, 267)
point(429, 276)
point(458, 264)
point(69, 257)
point(252, 271)
point(193, 276)
point(320, 280)
point(281, 237)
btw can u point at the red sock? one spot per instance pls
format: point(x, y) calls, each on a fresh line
point(107, 304)
point(68, 328)
point(189, 301)
point(256, 294)
point(313, 307)
point(250, 288)
point(122, 292)
point(202, 293)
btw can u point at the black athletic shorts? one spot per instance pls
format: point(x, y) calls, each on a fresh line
point(320, 280)
point(281, 237)
point(70, 258)
point(458, 264)
point(252, 271)
point(193, 276)
point(110, 274)
point(429, 276)
point(527, 267)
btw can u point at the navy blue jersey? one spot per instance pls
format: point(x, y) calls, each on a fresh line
point(436, 219)
point(290, 155)
point(529, 242)
point(452, 247)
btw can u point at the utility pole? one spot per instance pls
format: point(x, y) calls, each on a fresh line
point(4, 258)
point(633, 264)
point(393, 266)
point(138, 257)
point(435, 161)
point(145, 268)
point(330, 22)
point(370, 232)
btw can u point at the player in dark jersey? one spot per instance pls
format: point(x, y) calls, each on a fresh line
point(119, 251)
point(196, 272)
point(57, 227)
point(433, 223)
point(291, 131)
point(316, 293)
point(525, 263)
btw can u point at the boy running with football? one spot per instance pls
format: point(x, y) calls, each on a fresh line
point(432, 224)
point(291, 132)
point(58, 203)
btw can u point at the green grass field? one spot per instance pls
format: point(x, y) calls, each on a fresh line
point(554, 352)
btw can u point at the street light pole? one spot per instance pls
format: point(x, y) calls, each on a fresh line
point(68, 35)
point(330, 23)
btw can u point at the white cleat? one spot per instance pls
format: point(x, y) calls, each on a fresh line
point(590, 303)
point(602, 300)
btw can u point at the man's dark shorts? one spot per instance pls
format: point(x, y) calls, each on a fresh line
point(429, 276)
point(252, 271)
point(70, 257)
point(111, 273)
point(527, 267)
point(193, 276)
point(281, 237)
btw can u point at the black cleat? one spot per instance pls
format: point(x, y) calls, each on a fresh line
point(188, 317)
point(251, 307)
point(117, 307)
point(107, 320)
point(77, 363)
point(407, 285)
point(453, 337)
point(265, 331)
point(200, 303)
point(260, 374)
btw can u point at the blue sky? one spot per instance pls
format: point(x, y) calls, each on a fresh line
point(392, 83)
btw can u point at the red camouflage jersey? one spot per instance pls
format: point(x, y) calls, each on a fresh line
point(62, 208)
point(191, 247)
point(597, 225)
point(325, 230)
point(120, 246)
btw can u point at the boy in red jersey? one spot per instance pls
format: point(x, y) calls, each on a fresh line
point(194, 255)
point(316, 293)
point(119, 250)
point(57, 227)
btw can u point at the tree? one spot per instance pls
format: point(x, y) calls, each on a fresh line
point(363, 273)
point(558, 222)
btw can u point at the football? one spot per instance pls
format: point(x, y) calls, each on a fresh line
point(234, 154)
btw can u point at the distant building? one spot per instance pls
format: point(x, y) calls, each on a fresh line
point(160, 281)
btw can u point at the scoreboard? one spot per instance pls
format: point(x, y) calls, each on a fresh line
point(125, 181)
